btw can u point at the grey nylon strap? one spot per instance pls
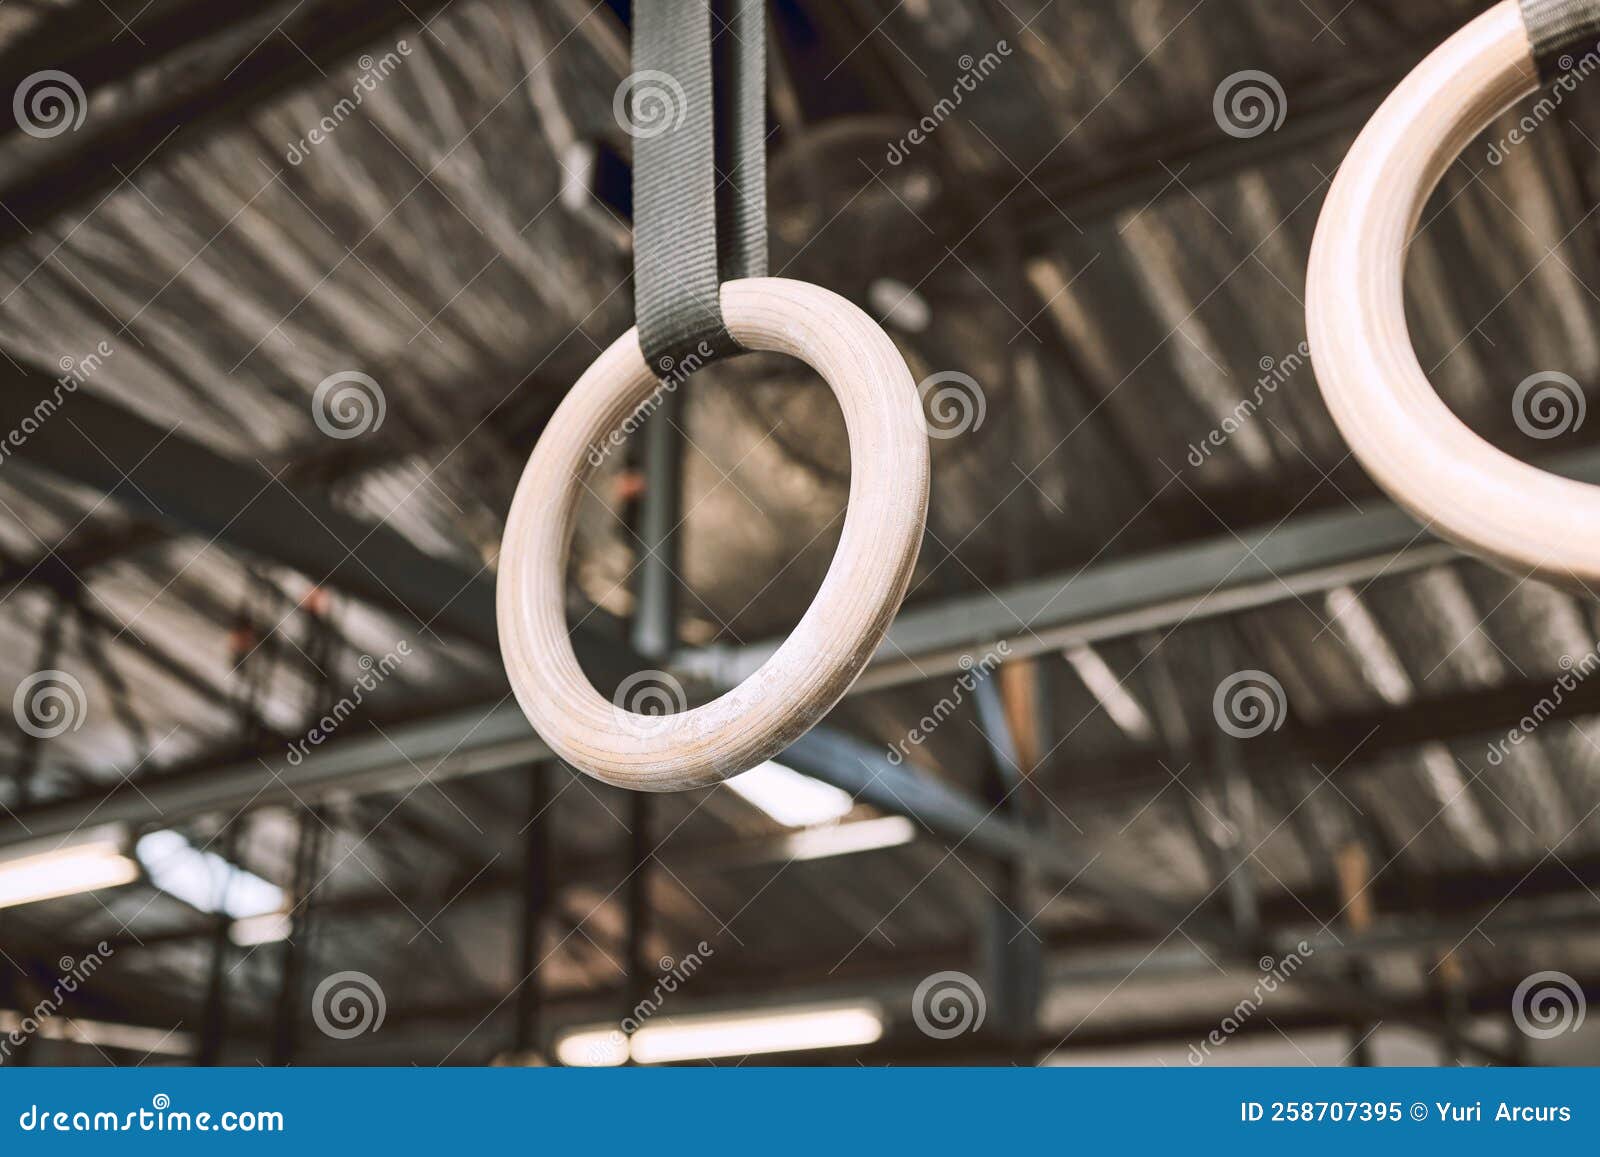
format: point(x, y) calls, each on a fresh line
point(1557, 25)
point(742, 138)
point(676, 195)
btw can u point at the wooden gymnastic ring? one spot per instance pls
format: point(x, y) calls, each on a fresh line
point(859, 596)
point(1455, 483)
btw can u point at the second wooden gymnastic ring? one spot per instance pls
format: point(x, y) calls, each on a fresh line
point(1457, 484)
point(833, 640)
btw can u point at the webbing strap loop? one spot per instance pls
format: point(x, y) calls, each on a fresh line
point(742, 138)
point(1557, 25)
point(688, 128)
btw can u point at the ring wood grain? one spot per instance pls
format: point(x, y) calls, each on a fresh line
point(841, 629)
point(1458, 485)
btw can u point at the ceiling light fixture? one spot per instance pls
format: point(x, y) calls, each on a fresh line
point(268, 928)
point(794, 800)
point(1112, 694)
point(848, 839)
point(707, 1037)
point(204, 880)
point(84, 867)
point(131, 1038)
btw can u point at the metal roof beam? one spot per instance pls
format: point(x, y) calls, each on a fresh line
point(67, 177)
point(1151, 591)
point(161, 473)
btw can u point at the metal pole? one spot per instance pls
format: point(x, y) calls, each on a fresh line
point(638, 908)
point(1013, 950)
point(214, 1015)
point(536, 893)
point(655, 636)
point(655, 620)
point(297, 946)
point(30, 745)
point(1354, 874)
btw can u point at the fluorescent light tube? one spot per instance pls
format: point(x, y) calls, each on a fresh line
point(204, 880)
point(847, 839)
point(1114, 697)
point(268, 928)
point(794, 800)
point(65, 872)
point(693, 1038)
point(594, 1048)
point(104, 1034)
